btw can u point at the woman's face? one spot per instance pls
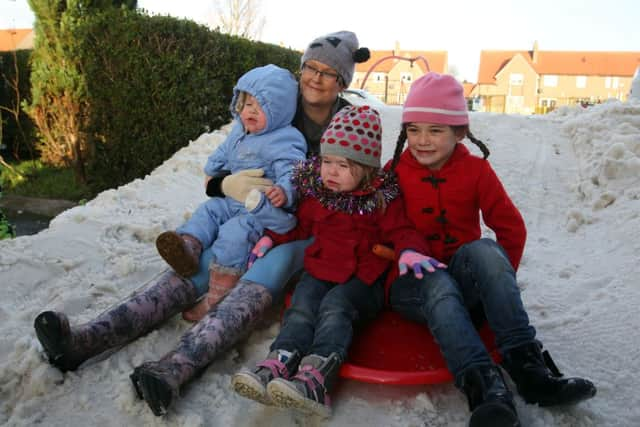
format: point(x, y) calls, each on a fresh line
point(317, 88)
point(432, 144)
point(338, 175)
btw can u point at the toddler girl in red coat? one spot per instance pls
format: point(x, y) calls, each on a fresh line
point(348, 204)
point(445, 189)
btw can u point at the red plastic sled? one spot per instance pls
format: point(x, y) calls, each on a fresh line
point(393, 350)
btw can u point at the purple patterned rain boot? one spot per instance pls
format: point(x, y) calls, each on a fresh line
point(158, 383)
point(180, 251)
point(308, 390)
point(252, 384)
point(67, 347)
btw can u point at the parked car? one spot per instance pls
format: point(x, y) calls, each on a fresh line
point(362, 97)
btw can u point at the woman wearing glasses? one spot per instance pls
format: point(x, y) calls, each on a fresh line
point(327, 68)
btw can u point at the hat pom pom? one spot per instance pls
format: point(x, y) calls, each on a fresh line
point(361, 55)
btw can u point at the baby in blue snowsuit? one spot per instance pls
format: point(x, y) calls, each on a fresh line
point(263, 106)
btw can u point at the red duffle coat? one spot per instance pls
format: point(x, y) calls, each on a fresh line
point(445, 205)
point(343, 242)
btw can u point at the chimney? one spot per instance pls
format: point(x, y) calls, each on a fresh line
point(396, 48)
point(534, 54)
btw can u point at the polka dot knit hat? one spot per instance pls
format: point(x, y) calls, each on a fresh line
point(355, 133)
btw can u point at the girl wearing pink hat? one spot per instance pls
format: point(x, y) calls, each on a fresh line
point(445, 188)
point(347, 205)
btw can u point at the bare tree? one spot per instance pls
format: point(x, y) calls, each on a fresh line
point(238, 17)
point(12, 81)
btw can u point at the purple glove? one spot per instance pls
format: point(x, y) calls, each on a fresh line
point(417, 262)
point(264, 244)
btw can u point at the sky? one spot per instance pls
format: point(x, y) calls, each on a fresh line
point(463, 28)
point(574, 174)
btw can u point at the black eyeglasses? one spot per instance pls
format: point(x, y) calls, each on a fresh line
point(324, 75)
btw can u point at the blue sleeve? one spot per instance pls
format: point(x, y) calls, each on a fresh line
point(217, 161)
point(292, 149)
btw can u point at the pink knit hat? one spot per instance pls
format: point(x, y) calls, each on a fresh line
point(354, 133)
point(436, 98)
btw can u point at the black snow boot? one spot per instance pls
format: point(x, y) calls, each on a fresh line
point(252, 384)
point(490, 402)
point(539, 380)
point(308, 391)
point(67, 347)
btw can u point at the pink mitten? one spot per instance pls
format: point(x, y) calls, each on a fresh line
point(264, 244)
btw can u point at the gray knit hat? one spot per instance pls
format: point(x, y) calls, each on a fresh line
point(339, 51)
point(354, 133)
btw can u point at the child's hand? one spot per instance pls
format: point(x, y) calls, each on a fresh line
point(276, 196)
point(264, 244)
point(417, 262)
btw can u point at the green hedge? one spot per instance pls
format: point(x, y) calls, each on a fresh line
point(139, 87)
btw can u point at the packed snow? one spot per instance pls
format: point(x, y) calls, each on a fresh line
point(574, 174)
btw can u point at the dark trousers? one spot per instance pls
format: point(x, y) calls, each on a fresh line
point(323, 315)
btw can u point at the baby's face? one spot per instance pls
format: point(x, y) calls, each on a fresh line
point(252, 116)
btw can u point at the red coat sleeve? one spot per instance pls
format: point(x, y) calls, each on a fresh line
point(399, 231)
point(303, 228)
point(501, 215)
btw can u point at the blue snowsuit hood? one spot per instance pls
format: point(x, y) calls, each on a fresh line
point(276, 90)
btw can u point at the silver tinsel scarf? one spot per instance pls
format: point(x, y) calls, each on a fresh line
point(306, 179)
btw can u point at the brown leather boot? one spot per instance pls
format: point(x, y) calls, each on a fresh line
point(180, 251)
point(221, 281)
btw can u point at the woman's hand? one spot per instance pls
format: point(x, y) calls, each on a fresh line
point(264, 244)
point(417, 262)
point(238, 185)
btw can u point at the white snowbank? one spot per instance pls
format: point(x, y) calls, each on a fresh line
point(575, 175)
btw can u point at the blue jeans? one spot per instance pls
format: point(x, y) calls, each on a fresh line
point(273, 271)
point(323, 315)
point(478, 273)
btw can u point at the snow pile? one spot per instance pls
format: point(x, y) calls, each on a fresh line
point(574, 174)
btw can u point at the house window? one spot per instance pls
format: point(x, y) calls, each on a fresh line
point(581, 82)
point(516, 79)
point(405, 77)
point(550, 81)
point(615, 81)
point(379, 77)
point(607, 82)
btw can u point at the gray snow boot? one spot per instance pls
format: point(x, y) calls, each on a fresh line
point(159, 383)
point(490, 402)
point(253, 384)
point(68, 347)
point(539, 380)
point(308, 390)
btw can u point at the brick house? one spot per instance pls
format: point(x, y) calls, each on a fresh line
point(536, 81)
point(12, 39)
point(392, 77)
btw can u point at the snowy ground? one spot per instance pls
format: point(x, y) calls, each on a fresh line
point(575, 175)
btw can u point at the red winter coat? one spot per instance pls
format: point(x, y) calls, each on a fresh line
point(343, 242)
point(445, 205)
